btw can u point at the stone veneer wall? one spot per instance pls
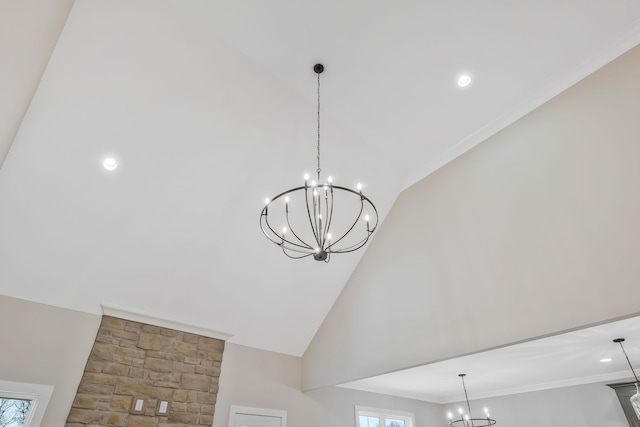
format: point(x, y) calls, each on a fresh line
point(134, 360)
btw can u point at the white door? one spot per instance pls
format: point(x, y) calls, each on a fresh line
point(246, 420)
point(241, 416)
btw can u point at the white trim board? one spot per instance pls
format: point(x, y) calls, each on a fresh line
point(121, 313)
point(261, 412)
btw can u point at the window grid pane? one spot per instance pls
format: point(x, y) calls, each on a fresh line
point(391, 422)
point(374, 417)
point(13, 412)
point(368, 421)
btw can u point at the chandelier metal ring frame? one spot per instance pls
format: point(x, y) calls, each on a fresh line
point(318, 201)
point(325, 244)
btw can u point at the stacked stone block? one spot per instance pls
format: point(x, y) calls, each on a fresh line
point(134, 360)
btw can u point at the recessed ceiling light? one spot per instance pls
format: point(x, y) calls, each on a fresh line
point(110, 163)
point(464, 80)
point(605, 360)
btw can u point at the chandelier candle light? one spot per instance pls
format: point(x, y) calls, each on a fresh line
point(466, 420)
point(635, 399)
point(301, 220)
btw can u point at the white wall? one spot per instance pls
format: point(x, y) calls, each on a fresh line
point(339, 403)
point(46, 345)
point(259, 378)
point(263, 379)
point(533, 232)
point(590, 405)
point(42, 344)
point(35, 351)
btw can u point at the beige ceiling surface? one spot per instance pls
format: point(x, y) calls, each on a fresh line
point(209, 108)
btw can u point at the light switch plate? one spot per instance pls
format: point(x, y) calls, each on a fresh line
point(138, 405)
point(163, 407)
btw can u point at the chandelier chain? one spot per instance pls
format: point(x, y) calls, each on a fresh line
point(466, 397)
point(318, 170)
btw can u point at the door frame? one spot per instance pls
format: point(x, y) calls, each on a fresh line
point(261, 412)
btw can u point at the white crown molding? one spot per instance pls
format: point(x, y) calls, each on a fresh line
point(108, 310)
point(613, 376)
point(624, 43)
point(445, 400)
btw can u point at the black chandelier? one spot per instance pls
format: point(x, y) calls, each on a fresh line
point(466, 420)
point(635, 399)
point(301, 220)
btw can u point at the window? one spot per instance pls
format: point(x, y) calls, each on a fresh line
point(373, 417)
point(13, 411)
point(23, 404)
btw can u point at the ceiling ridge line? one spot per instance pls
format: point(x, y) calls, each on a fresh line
point(627, 41)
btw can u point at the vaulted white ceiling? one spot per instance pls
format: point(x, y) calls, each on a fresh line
point(210, 107)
